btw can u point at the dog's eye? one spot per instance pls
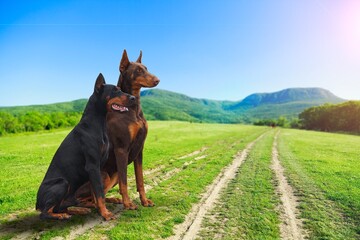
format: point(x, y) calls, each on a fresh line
point(139, 70)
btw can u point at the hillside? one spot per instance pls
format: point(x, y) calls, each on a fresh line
point(165, 105)
point(73, 106)
point(288, 102)
point(311, 95)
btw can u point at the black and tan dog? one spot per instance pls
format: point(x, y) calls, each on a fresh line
point(81, 155)
point(127, 133)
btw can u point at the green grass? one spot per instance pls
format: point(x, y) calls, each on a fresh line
point(325, 170)
point(247, 207)
point(25, 158)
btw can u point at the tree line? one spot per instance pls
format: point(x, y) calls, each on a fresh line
point(280, 122)
point(36, 121)
point(332, 117)
point(343, 117)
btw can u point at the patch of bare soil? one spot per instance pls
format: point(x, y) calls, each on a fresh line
point(19, 225)
point(192, 224)
point(154, 170)
point(291, 224)
point(27, 226)
point(193, 153)
point(79, 230)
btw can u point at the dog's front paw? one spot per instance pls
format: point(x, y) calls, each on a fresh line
point(147, 203)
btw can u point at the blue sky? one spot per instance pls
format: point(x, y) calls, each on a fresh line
point(52, 51)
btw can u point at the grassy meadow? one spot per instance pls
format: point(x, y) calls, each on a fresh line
point(25, 158)
point(323, 168)
point(324, 171)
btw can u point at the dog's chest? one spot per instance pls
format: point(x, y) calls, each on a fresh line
point(137, 131)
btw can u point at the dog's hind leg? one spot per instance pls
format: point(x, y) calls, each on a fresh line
point(85, 195)
point(78, 210)
point(113, 200)
point(50, 214)
point(50, 196)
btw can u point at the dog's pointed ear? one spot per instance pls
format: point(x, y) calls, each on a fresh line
point(124, 63)
point(139, 58)
point(99, 84)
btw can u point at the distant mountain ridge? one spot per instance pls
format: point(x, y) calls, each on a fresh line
point(290, 95)
point(288, 102)
point(166, 105)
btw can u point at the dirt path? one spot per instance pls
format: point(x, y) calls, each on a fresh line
point(193, 153)
point(291, 225)
point(192, 224)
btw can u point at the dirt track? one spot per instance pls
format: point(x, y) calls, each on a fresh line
point(291, 225)
point(192, 224)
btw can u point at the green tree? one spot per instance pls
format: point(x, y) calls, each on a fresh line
point(339, 117)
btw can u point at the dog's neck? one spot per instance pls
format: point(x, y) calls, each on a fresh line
point(135, 91)
point(126, 87)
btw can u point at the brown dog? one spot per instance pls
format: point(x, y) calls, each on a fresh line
point(127, 133)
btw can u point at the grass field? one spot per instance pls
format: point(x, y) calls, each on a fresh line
point(325, 170)
point(180, 161)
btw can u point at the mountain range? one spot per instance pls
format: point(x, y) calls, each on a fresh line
point(165, 105)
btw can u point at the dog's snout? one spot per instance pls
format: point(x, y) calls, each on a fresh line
point(156, 81)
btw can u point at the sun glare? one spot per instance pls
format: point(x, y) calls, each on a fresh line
point(350, 26)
